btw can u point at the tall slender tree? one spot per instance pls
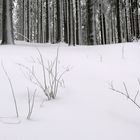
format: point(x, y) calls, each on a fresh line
point(89, 22)
point(0, 18)
point(7, 25)
point(118, 21)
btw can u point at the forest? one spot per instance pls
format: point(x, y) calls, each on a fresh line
point(75, 22)
point(69, 69)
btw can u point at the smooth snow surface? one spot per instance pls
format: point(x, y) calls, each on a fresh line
point(86, 109)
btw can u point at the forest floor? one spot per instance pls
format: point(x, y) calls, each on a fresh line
point(86, 109)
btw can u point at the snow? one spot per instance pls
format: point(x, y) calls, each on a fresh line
point(86, 109)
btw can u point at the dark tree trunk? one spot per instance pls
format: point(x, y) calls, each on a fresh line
point(131, 15)
point(47, 21)
point(104, 26)
point(73, 23)
point(118, 21)
point(65, 21)
point(41, 26)
point(126, 23)
point(89, 23)
point(137, 18)
point(28, 20)
point(78, 23)
point(38, 15)
point(58, 30)
point(101, 25)
point(112, 29)
point(69, 23)
point(54, 24)
point(23, 20)
point(7, 25)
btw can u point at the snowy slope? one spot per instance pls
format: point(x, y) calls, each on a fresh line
point(86, 109)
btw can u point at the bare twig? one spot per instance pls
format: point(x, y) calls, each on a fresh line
point(43, 69)
point(136, 96)
point(56, 73)
point(126, 89)
point(31, 74)
point(12, 89)
point(23, 36)
point(139, 81)
point(30, 103)
point(126, 94)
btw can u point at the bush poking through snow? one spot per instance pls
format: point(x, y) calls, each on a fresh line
point(31, 101)
point(12, 89)
point(51, 78)
point(126, 93)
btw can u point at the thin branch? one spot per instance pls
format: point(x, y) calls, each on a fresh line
point(139, 81)
point(12, 89)
point(23, 36)
point(126, 89)
point(136, 96)
point(31, 102)
point(43, 68)
point(38, 83)
point(126, 94)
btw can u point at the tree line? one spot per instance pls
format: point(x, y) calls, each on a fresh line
point(75, 22)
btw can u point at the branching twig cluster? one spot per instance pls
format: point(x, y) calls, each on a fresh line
point(126, 93)
point(49, 82)
point(51, 79)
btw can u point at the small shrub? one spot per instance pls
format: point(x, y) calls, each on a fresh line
point(51, 78)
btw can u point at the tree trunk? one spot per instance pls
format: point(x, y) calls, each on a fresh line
point(7, 25)
point(89, 23)
point(38, 16)
point(78, 22)
point(28, 21)
point(101, 25)
point(104, 27)
point(41, 23)
point(126, 23)
point(137, 18)
point(118, 22)
point(47, 21)
point(58, 14)
point(69, 23)
point(65, 8)
point(23, 20)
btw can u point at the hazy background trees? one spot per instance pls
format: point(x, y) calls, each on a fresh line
point(87, 22)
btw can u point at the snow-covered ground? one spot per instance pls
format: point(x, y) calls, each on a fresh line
point(86, 109)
